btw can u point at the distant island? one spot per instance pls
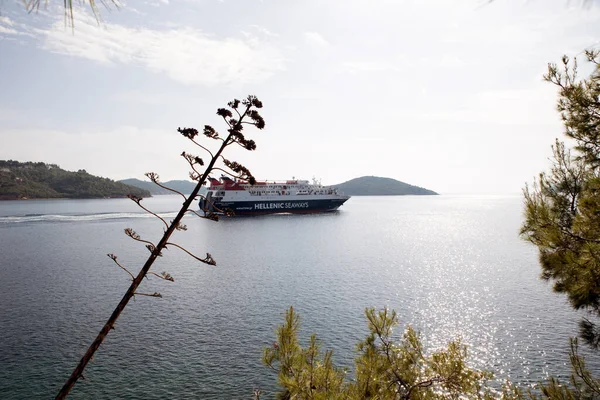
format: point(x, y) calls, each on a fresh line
point(38, 180)
point(184, 187)
point(378, 186)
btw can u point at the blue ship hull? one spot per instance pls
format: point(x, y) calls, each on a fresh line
point(274, 206)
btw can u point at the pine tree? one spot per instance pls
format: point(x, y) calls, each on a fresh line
point(385, 367)
point(562, 208)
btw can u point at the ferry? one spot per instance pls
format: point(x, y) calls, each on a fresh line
point(226, 196)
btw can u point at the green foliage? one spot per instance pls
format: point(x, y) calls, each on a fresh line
point(305, 373)
point(562, 216)
point(384, 368)
point(39, 180)
point(582, 385)
point(562, 208)
point(579, 105)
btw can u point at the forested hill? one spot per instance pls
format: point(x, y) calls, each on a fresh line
point(29, 180)
point(377, 186)
point(184, 187)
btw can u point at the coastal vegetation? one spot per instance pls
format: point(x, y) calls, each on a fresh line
point(34, 180)
point(378, 186)
point(562, 207)
point(388, 367)
point(384, 367)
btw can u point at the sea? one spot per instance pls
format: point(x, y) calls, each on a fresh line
point(450, 266)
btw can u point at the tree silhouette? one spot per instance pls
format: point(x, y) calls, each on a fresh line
point(245, 114)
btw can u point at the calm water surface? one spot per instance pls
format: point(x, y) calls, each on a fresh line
point(450, 266)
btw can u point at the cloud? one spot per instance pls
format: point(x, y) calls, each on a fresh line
point(451, 61)
point(354, 67)
point(401, 62)
point(263, 30)
point(526, 107)
point(156, 3)
point(10, 114)
point(9, 27)
point(5, 21)
point(545, 27)
point(134, 96)
point(4, 30)
point(315, 39)
point(185, 54)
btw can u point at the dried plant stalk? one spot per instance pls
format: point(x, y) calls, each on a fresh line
point(234, 136)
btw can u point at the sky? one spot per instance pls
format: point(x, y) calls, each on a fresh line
point(446, 95)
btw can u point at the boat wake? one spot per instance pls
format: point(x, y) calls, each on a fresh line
point(41, 218)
